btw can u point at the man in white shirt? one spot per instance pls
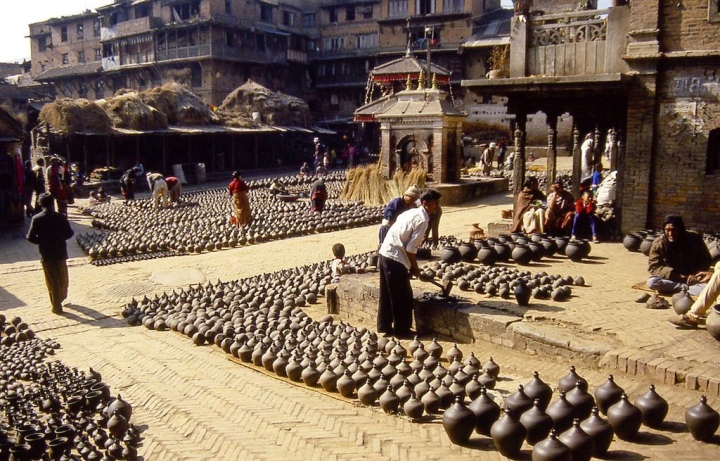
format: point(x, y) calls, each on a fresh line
point(398, 262)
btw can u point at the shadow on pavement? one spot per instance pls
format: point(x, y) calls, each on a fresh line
point(86, 315)
point(624, 455)
point(649, 438)
point(9, 301)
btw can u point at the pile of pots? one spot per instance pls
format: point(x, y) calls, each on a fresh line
point(520, 248)
point(503, 281)
point(201, 223)
point(571, 427)
point(260, 321)
point(54, 412)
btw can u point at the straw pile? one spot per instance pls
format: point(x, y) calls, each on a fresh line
point(366, 184)
point(180, 105)
point(129, 111)
point(75, 115)
point(274, 108)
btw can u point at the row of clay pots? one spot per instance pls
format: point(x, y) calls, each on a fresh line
point(201, 222)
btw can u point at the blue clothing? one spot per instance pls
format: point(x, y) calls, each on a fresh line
point(596, 180)
point(392, 210)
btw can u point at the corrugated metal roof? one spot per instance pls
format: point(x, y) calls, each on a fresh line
point(486, 42)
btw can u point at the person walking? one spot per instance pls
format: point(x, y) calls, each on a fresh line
point(49, 230)
point(239, 190)
point(398, 261)
point(56, 184)
point(127, 184)
point(29, 186)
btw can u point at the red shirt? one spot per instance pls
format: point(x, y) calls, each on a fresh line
point(171, 182)
point(237, 185)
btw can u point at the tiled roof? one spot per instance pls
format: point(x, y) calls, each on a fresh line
point(56, 73)
point(408, 65)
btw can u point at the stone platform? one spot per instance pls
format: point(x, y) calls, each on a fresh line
point(468, 189)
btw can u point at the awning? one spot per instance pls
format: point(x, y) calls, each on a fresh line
point(319, 130)
point(486, 42)
point(270, 29)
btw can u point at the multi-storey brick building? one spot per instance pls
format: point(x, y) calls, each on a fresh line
point(321, 50)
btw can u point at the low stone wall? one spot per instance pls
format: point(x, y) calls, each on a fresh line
point(355, 299)
point(454, 194)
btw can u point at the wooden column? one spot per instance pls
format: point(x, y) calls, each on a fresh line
point(551, 151)
point(577, 162)
point(519, 159)
point(619, 151)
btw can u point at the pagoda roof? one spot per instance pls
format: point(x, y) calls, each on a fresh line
point(399, 69)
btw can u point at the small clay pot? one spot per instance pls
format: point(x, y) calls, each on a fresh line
point(653, 407)
point(702, 420)
point(625, 418)
point(601, 432)
point(551, 449)
point(458, 422)
point(508, 434)
point(607, 394)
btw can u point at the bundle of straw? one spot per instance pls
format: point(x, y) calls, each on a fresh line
point(366, 184)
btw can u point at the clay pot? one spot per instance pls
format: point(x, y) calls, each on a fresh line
point(367, 394)
point(522, 254)
point(458, 422)
point(487, 256)
point(538, 250)
point(712, 323)
point(607, 394)
point(508, 434)
point(503, 252)
point(625, 418)
point(519, 401)
point(117, 425)
point(522, 294)
point(646, 244)
point(550, 246)
point(121, 406)
point(537, 423)
point(562, 412)
point(328, 380)
point(561, 243)
point(487, 380)
point(431, 402)
point(551, 449)
point(578, 441)
point(600, 431)
point(568, 382)
point(581, 400)
point(389, 402)
point(653, 407)
point(632, 242)
point(310, 375)
point(575, 251)
point(413, 408)
point(468, 252)
point(702, 421)
point(36, 441)
point(486, 412)
point(346, 385)
point(538, 389)
point(450, 255)
point(490, 366)
point(682, 302)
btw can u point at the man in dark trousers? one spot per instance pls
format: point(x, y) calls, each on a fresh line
point(398, 261)
point(49, 230)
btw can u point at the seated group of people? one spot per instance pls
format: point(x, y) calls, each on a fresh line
point(557, 214)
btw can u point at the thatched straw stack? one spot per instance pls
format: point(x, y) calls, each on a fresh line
point(75, 115)
point(180, 105)
point(274, 108)
point(129, 111)
point(366, 184)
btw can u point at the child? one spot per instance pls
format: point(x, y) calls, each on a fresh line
point(585, 215)
point(339, 266)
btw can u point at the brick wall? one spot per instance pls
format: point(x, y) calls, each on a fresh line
point(687, 111)
point(634, 169)
point(687, 27)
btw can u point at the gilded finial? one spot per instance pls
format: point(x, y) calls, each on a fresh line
point(408, 83)
point(421, 81)
point(434, 82)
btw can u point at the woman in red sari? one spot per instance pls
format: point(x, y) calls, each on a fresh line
point(238, 189)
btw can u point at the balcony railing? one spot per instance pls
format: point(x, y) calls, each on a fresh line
point(183, 53)
point(137, 58)
point(297, 56)
point(131, 27)
point(572, 43)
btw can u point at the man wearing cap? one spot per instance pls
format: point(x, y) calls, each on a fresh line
point(678, 259)
point(398, 261)
point(395, 208)
point(49, 230)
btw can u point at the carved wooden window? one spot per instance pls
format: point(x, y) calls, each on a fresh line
point(65, 58)
point(80, 30)
point(63, 34)
point(713, 152)
point(96, 28)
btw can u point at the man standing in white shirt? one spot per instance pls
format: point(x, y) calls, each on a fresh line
point(398, 262)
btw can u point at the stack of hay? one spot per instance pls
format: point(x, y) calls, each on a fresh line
point(129, 111)
point(275, 108)
point(69, 116)
point(180, 105)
